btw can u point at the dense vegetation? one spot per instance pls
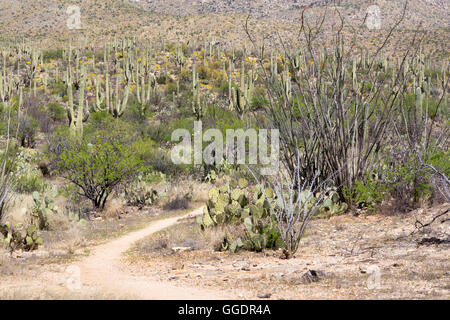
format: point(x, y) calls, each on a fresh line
point(358, 130)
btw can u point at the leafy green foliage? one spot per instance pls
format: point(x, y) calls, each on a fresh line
point(100, 160)
point(56, 111)
point(365, 194)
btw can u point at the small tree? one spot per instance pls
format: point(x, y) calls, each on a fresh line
point(98, 162)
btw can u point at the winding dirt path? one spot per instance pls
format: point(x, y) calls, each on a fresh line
point(102, 270)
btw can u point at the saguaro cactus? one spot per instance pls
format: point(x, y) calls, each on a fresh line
point(81, 114)
point(118, 104)
point(197, 101)
point(144, 91)
point(242, 94)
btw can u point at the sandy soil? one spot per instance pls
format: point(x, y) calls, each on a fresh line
point(102, 275)
point(365, 257)
point(348, 253)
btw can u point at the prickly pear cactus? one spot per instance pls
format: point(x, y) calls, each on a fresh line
point(233, 202)
point(331, 205)
point(32, 239)
point(140, 195)
point(43, 207)
point(18, 238)
point(75, 218)
point(252, 207)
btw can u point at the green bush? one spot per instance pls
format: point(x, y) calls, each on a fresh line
point(365, 194)
point(56, 111)
point(29, 178)
point(58, 88)
point(27, 131)
point(258, 100)
point(407, 180)
point(100, 160)
point(52, 54)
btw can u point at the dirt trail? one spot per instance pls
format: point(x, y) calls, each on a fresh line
point(103, 270)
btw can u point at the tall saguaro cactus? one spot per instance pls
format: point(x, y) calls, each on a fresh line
point(242, 94)
point(197, 101)
point(81, 113)
point(144, 91)
point(119, 104)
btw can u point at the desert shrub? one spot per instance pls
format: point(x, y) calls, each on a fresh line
point(162, 78)
point(204, 72)
point(52, 54)
point(97, 120)
point(186, 75)
point(56, 111)
point(134, 114)
point(162, 133)
point(365, 194)
point(58, 88)
point(224, 89)
point(171, 88)
point(258, 100)
point(99, 161)
point(28, 177)
point(406, 181)
point(35, 115)
point(30, 184)
point(160, 160)
point(28, 128)
point(157, 133)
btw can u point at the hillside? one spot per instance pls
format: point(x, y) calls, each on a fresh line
point(223, 20)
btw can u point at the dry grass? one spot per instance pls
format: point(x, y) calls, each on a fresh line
point(186, 233)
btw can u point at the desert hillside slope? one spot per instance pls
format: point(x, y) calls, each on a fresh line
point(223, 20)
